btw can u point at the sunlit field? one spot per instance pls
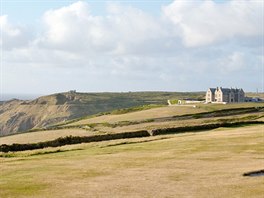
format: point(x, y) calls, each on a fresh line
point(204, 164)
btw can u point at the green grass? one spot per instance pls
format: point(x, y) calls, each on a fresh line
point(21, 184)
point(23, 188)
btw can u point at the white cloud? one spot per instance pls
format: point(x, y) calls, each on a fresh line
point(233, 63)
point(206, 22)
point(7, 28)
point(12, 36)
point(130, 48)
point(74, 28)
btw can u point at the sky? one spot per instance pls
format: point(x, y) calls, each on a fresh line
point(104, 46)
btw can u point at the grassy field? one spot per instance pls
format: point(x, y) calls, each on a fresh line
point(158, 117)
point(173, 123)
point(204, 164)
point(213, 107)
point(258, 95)
point(162, 112)
point(166, 117)
point(40, 136)
point(141, 115)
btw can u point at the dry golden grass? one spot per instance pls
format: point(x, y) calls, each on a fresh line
point(259, 95)
point(162, 112)
point(213, 107)
point(164, 115)
point(173, 123)
point(205, 164)
point(41, 136)
point(142, 115)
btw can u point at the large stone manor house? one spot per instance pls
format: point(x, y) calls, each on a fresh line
point(224, 95)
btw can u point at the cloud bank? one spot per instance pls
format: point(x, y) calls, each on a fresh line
point(189, 46)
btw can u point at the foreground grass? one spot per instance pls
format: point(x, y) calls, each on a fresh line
point(205, 164)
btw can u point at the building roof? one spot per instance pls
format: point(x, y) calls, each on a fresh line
point(225, 90)
point(212, 89)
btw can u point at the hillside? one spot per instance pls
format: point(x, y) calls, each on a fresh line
point(19, 116)
point(163, 117)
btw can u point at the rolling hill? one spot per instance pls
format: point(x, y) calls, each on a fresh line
point(19, 116)
point(174, 118)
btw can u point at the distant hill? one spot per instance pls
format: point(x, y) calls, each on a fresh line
point(21, 115)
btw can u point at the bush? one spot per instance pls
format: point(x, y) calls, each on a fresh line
point(72, 140)
point(200, 127)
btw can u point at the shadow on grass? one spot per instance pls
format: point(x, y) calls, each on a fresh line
point(257, 173)
point(13, 154)
point(138, 142)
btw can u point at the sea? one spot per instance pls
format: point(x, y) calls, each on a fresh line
point(6, 97)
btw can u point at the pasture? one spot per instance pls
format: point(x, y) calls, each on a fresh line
point(150, 119)
point(204, 164)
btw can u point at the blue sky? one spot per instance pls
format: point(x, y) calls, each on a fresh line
point(94, 46)
point(28, 11)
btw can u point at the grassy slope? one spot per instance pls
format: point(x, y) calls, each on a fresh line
point(40, 136)
point(205, 164)
point(156, 118)
point(141, 115)
point(19, 116)
point(161, 117)
point(213, 107)
point(162, 112)
point(53, 134)
point(174, 123)
point(258, 95)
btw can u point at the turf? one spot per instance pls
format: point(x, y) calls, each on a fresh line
point(205, 164)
